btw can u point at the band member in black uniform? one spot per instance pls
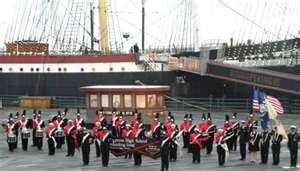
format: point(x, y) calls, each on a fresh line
point(164, 151)
point(254, 139)
point(24, 126)
point(33, 129)
point(293, 137)
point(188, 133)
point(276, 140)
point(222, 148)
point(86, 141)
point(265, 145)
point(243, 133)
point(211, 130)
point(60, 137)
point(173, 144)
point(95, 132)
point(105, 138)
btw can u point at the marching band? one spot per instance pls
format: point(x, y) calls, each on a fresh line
point(195, 137)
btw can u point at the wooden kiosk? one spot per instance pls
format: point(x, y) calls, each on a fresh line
point(146, 99)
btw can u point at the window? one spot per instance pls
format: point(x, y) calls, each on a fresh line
point(93, 69)
point(59, 69)
point(48, 69)
point(123, 69)
point(116, 101)
point(1, 69)
point(111, 69)
point(31, 69)
point(104, 100)
point(10, 69)
point(159, 100)
point(140, 101)
point(93, 100)
point(81, 69)
point(127, 100)
point(37, 69)
point(21, 69)
point(65, 69)
point(151, 100)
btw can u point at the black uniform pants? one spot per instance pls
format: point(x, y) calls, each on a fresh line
point(164, 162)
point(137, 159)
point(70, 146)
point(185, 140)
point(264, 153)
point(209, 145)
point(39, 142)
point(11, 147)
point(234, 142)
point(221, 155)
point(16, 143)
point(276, 153)
point(105, 158)
point(173, 151)
point(243, 150)
point(196, 153)
point(85, 156)
point(59, 141)
point(34, 143)
point(51, 146)
point(98, 151)
point(294, 155)
point(24, 143)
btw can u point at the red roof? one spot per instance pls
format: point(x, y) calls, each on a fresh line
point(67, 59)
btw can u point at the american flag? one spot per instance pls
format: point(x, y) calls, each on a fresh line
point(255, 102)
point(275, 104)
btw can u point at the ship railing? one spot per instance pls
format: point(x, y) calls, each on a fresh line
point(172, 103)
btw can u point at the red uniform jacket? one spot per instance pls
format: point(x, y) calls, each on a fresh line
point(49, 131)
point(22, 123)
point(154, 126)
point(135, 133)
point(37, 123)
point(184, 126)
point(125, 133)
point(8, 127)
point(203, 126)
point(133, 120)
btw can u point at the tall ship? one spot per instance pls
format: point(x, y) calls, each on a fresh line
point(52, 48)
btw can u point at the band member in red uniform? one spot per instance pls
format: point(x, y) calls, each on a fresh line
point(184, 128)
point(50, 131)
point(24, 126)
point(135, 134)
point(125, 132)
point(203, 125)
point(113, 120)
point(210, 131)
point(155, 127)
point(95, 132)
point(100, 118)
point(172, 133)
point(196, 141)
point(86, 141)
point(79, 122)
point(120, 122)
point(105, 138)
point(133, 119)
point(234, 124)
point(38, 125)
point(191, 126)
point(70, 131)
point(59, 123)
point(222, 149)
point(10, 129)
point(16, 120)
point(168, 122)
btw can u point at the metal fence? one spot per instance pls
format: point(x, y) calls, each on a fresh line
point(172, 103)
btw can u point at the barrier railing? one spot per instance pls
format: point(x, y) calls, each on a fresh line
point(204, 104)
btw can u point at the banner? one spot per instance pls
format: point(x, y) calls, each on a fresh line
point(146, 147)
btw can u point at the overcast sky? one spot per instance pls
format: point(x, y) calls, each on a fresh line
point(259, 20)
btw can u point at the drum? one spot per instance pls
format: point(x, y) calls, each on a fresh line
point(11, 138)
point(59, 133)
point(26, 135)
point(39, 133)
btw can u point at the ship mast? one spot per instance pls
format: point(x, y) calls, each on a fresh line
point(143, 26)
point(103, 26)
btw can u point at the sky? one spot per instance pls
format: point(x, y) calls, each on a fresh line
point(212, 20)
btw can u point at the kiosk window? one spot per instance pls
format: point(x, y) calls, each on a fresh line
point(140, 101)
point(151, 100)
point(93, 100)
point(116, 101)
point(127, 100)
point(104, 100)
